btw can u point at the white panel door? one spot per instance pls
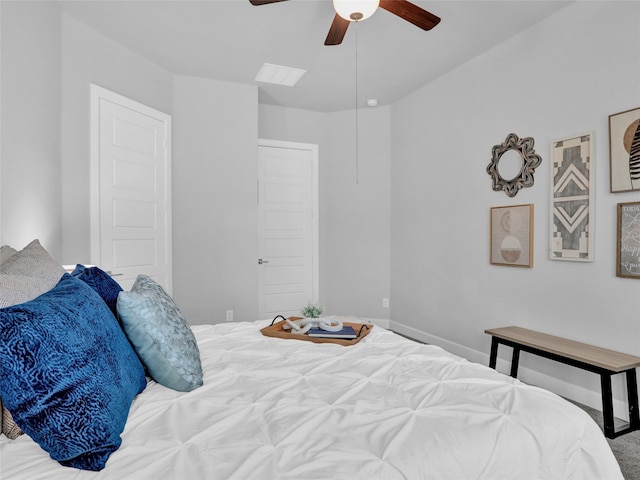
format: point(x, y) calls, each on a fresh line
point(131, 194)
point(287, 225)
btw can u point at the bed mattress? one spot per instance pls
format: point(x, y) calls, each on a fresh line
point(386, 408)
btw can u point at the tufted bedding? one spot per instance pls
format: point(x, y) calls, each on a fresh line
point(100, 383)
point(386, 408)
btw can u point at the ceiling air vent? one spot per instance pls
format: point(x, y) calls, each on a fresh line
point(279, 75)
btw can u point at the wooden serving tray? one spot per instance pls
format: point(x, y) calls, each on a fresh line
point(277, 331)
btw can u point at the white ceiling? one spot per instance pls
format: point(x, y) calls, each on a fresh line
point(230, 40)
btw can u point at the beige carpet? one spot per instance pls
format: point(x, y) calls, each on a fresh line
point(626, 448)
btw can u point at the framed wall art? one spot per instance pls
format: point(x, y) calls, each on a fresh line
point(512, 236)
point(624, 150)
point(628, 242)
point(572, 204)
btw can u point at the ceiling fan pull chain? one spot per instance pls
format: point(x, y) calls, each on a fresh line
point(357, 113)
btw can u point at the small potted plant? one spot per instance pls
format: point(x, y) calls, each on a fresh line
point(311, 311)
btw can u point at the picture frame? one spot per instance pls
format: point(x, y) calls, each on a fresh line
point(511, 230)
point(624, 151)
point(628, 240)
point(572, 206)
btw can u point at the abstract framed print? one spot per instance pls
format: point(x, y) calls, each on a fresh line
point(572, 204)
point(512, 236)
point(624, 150)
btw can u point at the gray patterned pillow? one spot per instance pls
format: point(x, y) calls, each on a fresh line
point(16, 289)
point(28, 274)
point(160, 336)
point(5, 252)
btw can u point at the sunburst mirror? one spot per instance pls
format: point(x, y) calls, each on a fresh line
point(512, 164)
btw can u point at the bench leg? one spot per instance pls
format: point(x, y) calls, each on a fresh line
point(632, 395)
point(494, 352)
point(607, 405)
point(515, 360)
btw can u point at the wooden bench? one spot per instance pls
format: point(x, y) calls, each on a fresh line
point(594, 359)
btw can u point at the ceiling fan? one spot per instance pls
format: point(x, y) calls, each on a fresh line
point(348, 11)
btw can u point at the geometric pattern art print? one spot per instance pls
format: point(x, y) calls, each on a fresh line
point(572, 206)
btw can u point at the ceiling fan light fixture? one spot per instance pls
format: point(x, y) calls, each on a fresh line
point(355, 10)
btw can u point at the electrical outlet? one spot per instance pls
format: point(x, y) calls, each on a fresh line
point(385, 303)
point(229, 315)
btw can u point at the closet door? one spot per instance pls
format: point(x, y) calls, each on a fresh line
point(131, 189)
point(287, 227)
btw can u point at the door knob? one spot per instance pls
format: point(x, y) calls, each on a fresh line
point(261, 261)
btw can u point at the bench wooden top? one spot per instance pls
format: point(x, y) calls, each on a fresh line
point(599, 357)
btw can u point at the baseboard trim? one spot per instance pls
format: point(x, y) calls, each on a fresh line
point(381, 322)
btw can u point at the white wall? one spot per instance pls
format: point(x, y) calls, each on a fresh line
point(559, 78)
point(90, 57)
point(215, 222)
point(357, 200)
point(292, 125)
point(354, 202)
point(30, 116)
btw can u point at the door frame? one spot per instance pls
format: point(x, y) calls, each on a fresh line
point(98, 93)
point(315, 235)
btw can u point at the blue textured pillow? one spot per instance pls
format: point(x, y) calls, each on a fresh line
point(101, 282)
point(160, 335)
point(68, 374)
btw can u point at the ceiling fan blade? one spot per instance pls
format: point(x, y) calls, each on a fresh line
point(264, 2)
point(336, 32)
point(411, 13)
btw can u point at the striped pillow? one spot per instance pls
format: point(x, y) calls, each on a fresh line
point(9, 427)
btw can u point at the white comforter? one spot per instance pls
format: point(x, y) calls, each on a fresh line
point(387, 408)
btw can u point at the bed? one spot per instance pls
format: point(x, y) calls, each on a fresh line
point(384, 408)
